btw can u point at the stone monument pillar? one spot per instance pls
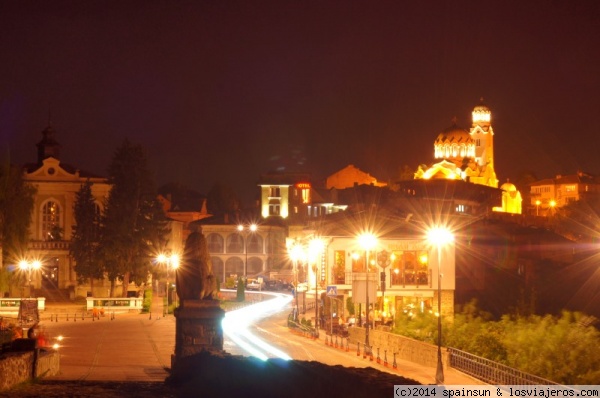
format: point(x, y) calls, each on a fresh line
point(198, 325)
point(198, 328)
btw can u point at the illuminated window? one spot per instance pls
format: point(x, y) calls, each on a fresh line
point(410, 268)
point(339, 268)
point(275, 192)
point(274, 208)
point(305, 195)
point(570, 188)
point(51, 229)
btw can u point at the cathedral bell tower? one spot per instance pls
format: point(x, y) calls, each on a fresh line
point(48, 146)
point(482, 134)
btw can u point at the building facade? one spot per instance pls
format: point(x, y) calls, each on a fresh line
point(551, 193)
point(52, 221)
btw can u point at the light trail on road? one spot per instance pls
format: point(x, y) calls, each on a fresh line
point(236, 325)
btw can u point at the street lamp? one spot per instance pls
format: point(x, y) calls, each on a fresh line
point(552, 205)
point(29, 266)
point(537, 207)
point(296, 253)
point(439, 237)
point(367, 241)
point(315, 248)
point(170, 261)
point(245, 230)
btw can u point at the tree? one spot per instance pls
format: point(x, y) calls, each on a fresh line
point(86, 235)
point(133, 221)
point(222, 199)
point(16, 207)
point(241, 290)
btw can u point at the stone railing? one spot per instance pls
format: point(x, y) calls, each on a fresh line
point(49, 245)
point(13, 304)
point(115, 304)
point(405, 348)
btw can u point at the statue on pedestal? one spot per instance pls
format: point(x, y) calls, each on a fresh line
point(195, 280)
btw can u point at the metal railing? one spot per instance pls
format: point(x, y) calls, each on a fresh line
point(490, 371)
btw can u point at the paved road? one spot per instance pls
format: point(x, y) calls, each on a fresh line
point(138, 347)
point(274, 330)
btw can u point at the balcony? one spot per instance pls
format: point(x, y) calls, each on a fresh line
point(49, 245)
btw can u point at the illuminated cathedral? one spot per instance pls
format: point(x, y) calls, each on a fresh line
point(469, 156)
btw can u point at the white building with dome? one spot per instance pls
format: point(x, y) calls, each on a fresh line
point(469, 156)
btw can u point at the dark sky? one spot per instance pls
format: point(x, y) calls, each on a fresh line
point(227, 90)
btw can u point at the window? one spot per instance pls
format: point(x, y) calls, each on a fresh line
point(214, 243)
point(305, 195)
point(410, 268)
point(339, 268)
point(275, 192)
point(51, 229)
point(255, 243)
point(274, 209)
point(235, 243)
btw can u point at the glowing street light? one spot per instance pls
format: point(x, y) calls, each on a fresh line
point(537, 207)
point(315, 248)
point(171, 262)
point(439, 237)
point(245, 230)
point(296, 254)
point(552, 205)
point(29, 266)
point(367, 241)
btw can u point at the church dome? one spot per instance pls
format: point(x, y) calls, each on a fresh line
point(454, 144)
point(454, 135)
point(508, 187)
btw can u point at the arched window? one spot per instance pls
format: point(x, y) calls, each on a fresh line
point(51, 221)
point(255, 243)
point(255, 265)
point(235, 243)
point(217, 267)
point(215, 243)
point(234, 266)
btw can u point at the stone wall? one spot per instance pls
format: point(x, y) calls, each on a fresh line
point(48, 363)
point(404, 347)
point(17, 367)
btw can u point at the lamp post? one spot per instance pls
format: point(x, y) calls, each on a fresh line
point(245, 231)
point(170, 261)
point(296, 253)
point(315, 248)
point(552, 205)
point(367, 242)
point(537, 207)
point(29, 266)
point(439, 237)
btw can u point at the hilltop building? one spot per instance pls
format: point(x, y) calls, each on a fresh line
point(469, 156)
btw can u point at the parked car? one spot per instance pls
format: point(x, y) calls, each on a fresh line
point(255, 284)
point(273, 285)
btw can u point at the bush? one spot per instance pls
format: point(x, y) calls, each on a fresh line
point(241, 290)
point(147, 304)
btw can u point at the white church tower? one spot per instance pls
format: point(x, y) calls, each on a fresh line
point(482, 134)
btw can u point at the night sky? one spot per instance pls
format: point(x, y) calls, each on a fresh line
point(227, 90)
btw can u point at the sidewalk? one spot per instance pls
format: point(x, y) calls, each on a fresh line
point(421, 373)
point(126, 347)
